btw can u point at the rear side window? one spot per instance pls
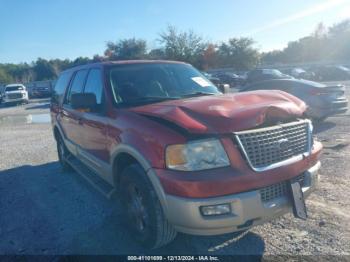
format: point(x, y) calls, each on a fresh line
point(60, 86)
point(77, 84)
point(94, 84)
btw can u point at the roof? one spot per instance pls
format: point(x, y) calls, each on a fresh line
point(14, 85)
point(125, 62)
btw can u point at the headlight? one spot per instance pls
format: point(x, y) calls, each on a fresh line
point(196, 155)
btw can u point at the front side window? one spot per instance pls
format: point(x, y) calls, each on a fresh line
point(77, 84)
point(137, 84)
point(94, 84)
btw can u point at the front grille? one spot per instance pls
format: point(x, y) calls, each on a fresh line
point(14, 96)
point(264, 147)
point(278, 190)
point(273, 191)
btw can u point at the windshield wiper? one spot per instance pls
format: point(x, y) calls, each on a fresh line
point(149, 99)
point(198, 94)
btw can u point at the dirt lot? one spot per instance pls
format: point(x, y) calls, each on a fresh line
point(45, 211)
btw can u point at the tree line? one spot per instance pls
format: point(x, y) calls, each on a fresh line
point(239, 53)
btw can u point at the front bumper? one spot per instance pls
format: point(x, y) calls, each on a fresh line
point(338, 106)
point(247, 209)
point(17, 100)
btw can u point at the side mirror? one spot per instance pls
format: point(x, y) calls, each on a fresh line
point(224, 88)
point(85, 101)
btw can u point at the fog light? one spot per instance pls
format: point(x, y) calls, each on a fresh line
point(215, 210)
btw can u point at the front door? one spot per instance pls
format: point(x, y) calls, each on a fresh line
point(71, 119)
point(94, 124)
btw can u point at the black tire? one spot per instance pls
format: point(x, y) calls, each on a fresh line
point(144, 215)
point(63, 153)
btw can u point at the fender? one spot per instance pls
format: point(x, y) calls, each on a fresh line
point(122, 148)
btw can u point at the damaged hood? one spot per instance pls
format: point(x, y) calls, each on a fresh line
point(226, 113)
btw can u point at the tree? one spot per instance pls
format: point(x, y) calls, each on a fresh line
point(182, 46)
point(157, 53)
point(44, 70)
point(4, 77)
point(320, 31)
point(126, 49)
point(238, 53)
point(209, 57)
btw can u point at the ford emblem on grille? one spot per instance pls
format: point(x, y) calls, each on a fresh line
point(282, 144)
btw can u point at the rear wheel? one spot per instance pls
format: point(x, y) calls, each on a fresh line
point(144, 215)
point(63, 154)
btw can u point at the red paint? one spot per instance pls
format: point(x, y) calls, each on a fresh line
point(235, 179)
point(227, 113)
point(217, 115)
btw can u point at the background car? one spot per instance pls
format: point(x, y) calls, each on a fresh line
point(332, 73)
point(230, 78)
point(322, 100)
point(257, 75)
point(223, 87)
point(15, 93)
point(40, 91)
point(299, 73)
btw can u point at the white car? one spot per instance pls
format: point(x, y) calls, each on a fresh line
point(15, 93)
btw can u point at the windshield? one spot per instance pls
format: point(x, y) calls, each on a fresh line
point(136, 84)
point(299, 70)
point(273, 72)
point(13, 88)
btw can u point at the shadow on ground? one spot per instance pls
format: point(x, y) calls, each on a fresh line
point(46, 211)
point(323, 126)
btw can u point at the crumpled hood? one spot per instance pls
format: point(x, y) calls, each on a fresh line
point(226, 113)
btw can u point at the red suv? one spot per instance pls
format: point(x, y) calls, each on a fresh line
point(182, 156)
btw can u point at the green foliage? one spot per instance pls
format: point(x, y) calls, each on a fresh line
point(324, 45)
point(182, 46)
point(5, 77)
point(157, 53)
point(126, 49)
point(44, 70)
point(238, 53)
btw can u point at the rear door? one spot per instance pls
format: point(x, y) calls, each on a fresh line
point(70, 118)
point(94, 123)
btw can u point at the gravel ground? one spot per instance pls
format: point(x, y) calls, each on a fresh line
point(46, 211)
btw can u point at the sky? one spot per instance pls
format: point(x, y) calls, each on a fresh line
point(71, 28)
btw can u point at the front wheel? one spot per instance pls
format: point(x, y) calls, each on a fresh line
point(144, 215)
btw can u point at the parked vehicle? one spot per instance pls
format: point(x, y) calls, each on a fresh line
point(183, 156)
point(257, 75)
point(230, 78)
point(39, 89)
point(41, 92)
point(2, 89)
point(322, 100)
point(332, 73)
point(222, 86)
point(15, 93)
point(299, 73)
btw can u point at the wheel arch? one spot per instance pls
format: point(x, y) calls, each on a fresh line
point(125, 155)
